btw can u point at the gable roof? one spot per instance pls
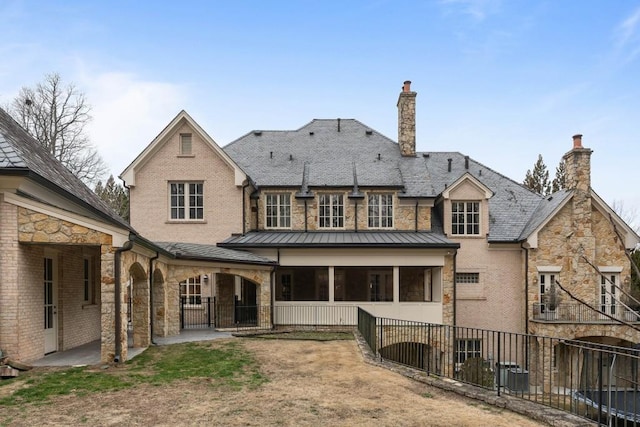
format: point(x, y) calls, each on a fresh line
point(23, 155)
point(128, 175)
point(201, 252)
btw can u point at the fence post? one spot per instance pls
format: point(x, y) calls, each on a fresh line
point(498, 371)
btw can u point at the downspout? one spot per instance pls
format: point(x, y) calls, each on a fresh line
point(526, 288)
point(151, 280)
point(128, 245)
point(416, 215)
point(526, 301)
point(355, 217)
point(244, 206)
point(305, 215)
point(455, 255)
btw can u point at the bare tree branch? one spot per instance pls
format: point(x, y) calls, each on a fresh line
point(56, 115)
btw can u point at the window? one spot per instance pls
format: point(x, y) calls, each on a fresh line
point(302, 284)
point(380, 210)
point(465, 218)
point(331, 211)
point(87, 281)
point(279, 210)
point(466, 349)
point(416, 284)
point(187, 200)
point(191, 291)
point(608, 294)
point(363, 284)
point(467, 277)
point(185, 144)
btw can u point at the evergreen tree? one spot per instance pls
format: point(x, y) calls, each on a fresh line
point(559, 182)
point(538, 180)
point(115, 195)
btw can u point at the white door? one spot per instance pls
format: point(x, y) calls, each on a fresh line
point(50, 307)
point(609, 294)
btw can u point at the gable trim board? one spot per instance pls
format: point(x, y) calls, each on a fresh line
point(128, 175)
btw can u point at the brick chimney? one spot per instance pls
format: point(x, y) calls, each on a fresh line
point(407, 120)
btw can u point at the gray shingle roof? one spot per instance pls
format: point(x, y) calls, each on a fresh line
point(20, 152)
point(544, 209)
point(339, 239)
point(279, 158)
point(212, 253)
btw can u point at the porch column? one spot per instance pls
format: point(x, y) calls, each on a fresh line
point(108, 308)
point(396, 284)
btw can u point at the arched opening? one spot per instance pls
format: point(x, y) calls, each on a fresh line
point(137, 298)
point(414, 354)
point(237, 301)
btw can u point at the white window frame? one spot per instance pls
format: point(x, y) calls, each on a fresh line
point(281, 216)
point(188, 289)
point(87, 280)
point(189, 198)
point(330, 210)
point(468, 219)
point(467, 348)
point(380, 210)
point(186, 144)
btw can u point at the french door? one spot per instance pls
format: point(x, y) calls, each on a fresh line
point(50, 306)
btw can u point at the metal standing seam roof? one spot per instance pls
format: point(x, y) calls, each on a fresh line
point(339, 239)
point(20, 153)
point(203, 252)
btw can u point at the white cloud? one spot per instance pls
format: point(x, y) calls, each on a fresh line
point(626, 36)
point(128, 113)
point(477, 9)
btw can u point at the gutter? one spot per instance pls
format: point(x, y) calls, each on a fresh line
point(128, 245)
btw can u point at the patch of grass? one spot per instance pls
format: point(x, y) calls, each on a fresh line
point(225, 365)
point(427, 395)
point(307, 335)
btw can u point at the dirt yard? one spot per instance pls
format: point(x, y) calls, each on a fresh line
point(310, 384)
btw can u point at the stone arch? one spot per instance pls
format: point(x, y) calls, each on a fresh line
point(414, 354)
point(138, 305)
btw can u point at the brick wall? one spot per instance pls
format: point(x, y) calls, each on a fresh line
point(150, 196)
point(9, 295)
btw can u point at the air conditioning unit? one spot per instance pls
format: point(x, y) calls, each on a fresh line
point(518, 380)
point(501, 372)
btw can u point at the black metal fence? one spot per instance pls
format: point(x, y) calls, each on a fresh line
point(592, 380)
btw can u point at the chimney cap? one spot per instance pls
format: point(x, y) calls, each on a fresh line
point(407, 86)
point(577, 140)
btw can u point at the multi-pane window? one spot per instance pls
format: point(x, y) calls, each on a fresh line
point(466, 349)
point(191, 291)
point(331, 210)
point(467, 277)
point(380, 210)
point(187, 200)
point(278, 210)
point(465, 218)
point(185, 144)
point(87, 282)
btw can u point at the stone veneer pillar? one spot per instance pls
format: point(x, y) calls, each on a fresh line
point(407, 120)
point(582, 241)
point(108, 314)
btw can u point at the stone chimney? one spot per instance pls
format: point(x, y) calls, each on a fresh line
point(577, 163)
point(407, 120)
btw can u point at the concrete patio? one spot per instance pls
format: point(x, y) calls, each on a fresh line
point(89, 354)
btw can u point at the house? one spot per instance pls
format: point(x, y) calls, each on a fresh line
point(74, 272)
point(353, 218)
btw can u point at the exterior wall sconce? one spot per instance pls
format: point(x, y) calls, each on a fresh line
point(205, 278)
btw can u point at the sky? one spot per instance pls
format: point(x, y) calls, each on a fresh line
point(500, 81)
